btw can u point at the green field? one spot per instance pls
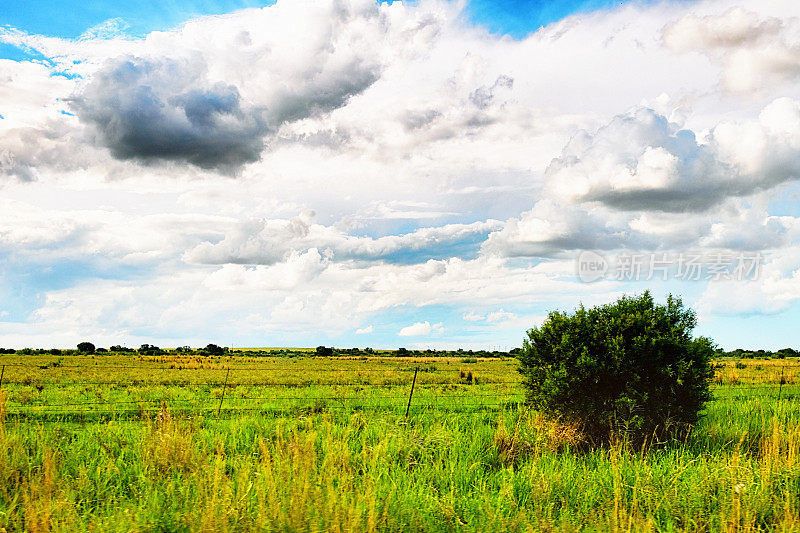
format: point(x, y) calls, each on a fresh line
point(190, 443)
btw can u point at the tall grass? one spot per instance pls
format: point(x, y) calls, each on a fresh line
point(374, 470)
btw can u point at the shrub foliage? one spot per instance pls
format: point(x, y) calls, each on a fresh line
point(629, 367)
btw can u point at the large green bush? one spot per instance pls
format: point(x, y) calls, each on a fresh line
point(631, 368)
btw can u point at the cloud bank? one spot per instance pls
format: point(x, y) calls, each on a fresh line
point(351, 172)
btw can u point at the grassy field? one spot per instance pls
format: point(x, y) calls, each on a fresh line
point(187, 443)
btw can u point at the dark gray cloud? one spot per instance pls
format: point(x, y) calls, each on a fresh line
point(162, 109)
point(152, 109)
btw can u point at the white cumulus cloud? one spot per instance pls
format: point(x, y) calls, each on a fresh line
point(419, 329)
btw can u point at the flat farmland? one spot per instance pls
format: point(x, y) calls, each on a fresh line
point(193, 443)
point(121, 385)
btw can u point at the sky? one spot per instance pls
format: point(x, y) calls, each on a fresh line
point(432, 174)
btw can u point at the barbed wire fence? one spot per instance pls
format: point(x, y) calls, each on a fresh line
point(358, 394)
point(229, 399)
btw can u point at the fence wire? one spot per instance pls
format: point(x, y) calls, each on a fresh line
point(433, 391)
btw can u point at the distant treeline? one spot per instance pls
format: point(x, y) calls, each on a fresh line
point(87, 348)
point(325, 351)
point(759, 354)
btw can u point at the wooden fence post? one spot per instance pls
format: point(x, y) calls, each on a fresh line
point(412, 391)
point(223, 391)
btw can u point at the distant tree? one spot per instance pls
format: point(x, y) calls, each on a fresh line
point(214, 350)
point(324, 351)
point(787, 352)
point(86, 347)
point(629, 367)
point(119, 348)
point(150, 349)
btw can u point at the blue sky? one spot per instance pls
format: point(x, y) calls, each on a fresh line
point(393, 175)
point(69, 19)
point(518, 18)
